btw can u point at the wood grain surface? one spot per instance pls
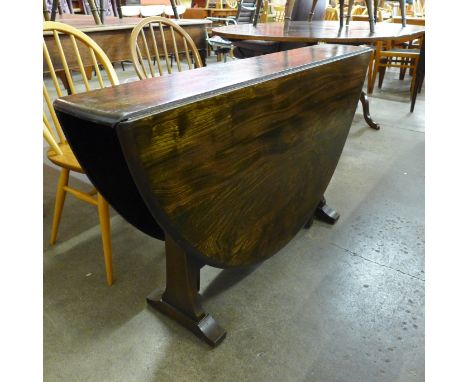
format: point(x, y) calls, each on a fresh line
point(315, 31)
point(230, 170)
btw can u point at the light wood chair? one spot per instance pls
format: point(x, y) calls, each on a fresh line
point(70, 43)
point(157, 30)
point(278, 12)
point(331, 14)
point(392, 55)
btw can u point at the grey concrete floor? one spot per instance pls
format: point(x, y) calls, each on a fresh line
point(338, 303)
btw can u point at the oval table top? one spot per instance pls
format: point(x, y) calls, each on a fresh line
point(323, 31)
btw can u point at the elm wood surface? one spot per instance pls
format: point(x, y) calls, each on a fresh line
point(114, 36)
point(231, 161)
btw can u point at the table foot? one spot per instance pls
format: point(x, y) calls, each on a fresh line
point(181, 300)
point(365, 108)
point(206, 328)
point(323, 213)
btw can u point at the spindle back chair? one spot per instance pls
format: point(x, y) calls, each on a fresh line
point(391, 55)
point(145, 55)
point(72, 60)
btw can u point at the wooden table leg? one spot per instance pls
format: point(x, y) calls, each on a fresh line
point(324, 213)
point(181, 301)
point(365, 109)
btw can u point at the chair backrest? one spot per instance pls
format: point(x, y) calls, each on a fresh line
point(156, 36)
point(245, 11)
point(231, 3)
point(278, 12)
point(332, 13)
point(70, 51)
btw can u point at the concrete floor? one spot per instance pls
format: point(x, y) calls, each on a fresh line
point(338, 303)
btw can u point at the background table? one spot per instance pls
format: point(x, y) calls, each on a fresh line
point(114, 36)
point(320, 31)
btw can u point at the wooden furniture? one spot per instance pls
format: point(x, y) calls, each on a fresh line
point(51, 7)
point(372, 12)
point(410, 20)
point(152, 38)
point(228, 191)
point(331, 14)
point(371, 7)
point(391, 56)
point(322, 31)
point(319, 31)
point(312, 10)
point(60, 152)
point(420, 73)
point(114, 36)
point(203, 13)
point(278, 13)
point(246, 14)
point(57, 6)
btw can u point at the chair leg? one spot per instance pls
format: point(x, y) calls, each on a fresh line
point(413, 80)
point(370, 69)
point(403, 12)
point(419, 81)
point(59, 200)
point(104, 221)
point(404, 61)
point(342, 16)
point(370, 86)
point(376, 7)
point(350, 7)
point(382, 74)
point(370, 11)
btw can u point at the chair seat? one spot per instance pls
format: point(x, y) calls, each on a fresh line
point(219, 42)
point(66, 160)
point(401, 51)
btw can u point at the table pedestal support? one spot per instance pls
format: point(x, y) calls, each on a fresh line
point(365, 110)
point(324, 213)
point(181, 300)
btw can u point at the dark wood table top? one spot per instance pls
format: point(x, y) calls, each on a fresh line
point(315, 31)
point(86, 23)
point(231, 160)
point(112, 105)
